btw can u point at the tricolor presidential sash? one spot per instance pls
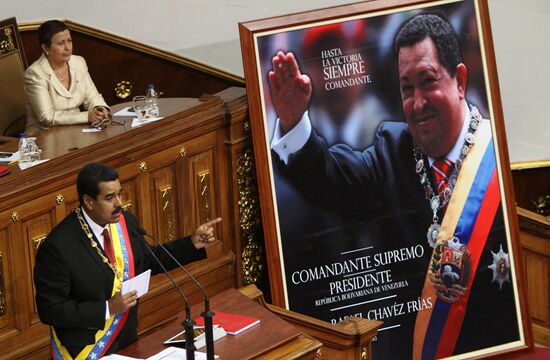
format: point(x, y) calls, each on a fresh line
point(464, 231)
point(104, 337)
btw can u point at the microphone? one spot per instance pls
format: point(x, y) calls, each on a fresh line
point(207, 314)
point(188, 324)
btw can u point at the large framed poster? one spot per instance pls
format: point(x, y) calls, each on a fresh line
point(384, 174)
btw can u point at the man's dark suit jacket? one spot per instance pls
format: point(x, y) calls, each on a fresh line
point(379, 186)
point(73, 284)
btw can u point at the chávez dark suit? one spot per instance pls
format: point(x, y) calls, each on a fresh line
point(73, 284)
point(380, 186)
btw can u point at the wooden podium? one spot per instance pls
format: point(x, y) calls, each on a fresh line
point(274, 337)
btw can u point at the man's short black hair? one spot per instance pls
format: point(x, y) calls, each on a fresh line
point(437, 28)
point(48, 29)
point(89, 178)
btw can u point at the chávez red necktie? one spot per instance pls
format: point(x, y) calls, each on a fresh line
point(108, 246)
point(442, 169)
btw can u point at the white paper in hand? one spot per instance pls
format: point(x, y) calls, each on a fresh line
point(139, 283)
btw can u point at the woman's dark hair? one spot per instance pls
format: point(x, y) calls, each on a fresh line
point(48, 29)
point(89, 178)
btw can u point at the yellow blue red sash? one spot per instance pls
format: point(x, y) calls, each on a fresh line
point(469, 218)
point(105, 337)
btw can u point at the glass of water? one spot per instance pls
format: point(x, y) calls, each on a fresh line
point(33, 150)
point(140, 107)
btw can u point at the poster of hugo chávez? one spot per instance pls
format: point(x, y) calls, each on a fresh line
point(386, 178)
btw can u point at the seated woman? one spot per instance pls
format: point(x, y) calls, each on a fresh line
point(58, 84)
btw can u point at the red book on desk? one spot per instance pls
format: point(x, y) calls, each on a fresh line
point(4, 170)
point(233, 324)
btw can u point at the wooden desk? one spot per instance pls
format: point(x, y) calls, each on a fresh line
point(272, 338)
point(62, 141)
point(176, 173)
point(74, 138)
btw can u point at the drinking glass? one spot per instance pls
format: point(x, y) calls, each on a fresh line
point(140, 107)
point(33, 150)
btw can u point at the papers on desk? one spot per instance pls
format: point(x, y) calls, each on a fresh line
point(199, 336)
point(171, 353)
point(15, 158)
point(137, 122)
point(90, 130)
point(8, 157)
point(139, 283)
point(27, 165)
point(127, 111)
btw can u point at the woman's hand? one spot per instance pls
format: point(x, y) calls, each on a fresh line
point(98, 114)
point(99, 117)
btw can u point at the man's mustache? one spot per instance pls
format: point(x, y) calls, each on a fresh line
point(424, 115)
point(117, 210)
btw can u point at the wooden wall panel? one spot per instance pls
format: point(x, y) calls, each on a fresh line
point(537, 285)
point(36, 228)
point(535, 243)
point(165, 187)
point(199, 159)
point(131, 180)
point(7, 303)
point(37, 218)
point(129, 196)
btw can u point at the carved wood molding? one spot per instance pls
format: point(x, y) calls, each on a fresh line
point(204, 196)
point(167, 213)
point(2, 289)
point(10, 40)
point(253, 258)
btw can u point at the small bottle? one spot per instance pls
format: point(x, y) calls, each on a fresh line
point(152, 101)
point(24, 155)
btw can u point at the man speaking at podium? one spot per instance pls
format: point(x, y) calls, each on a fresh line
point(82, 263)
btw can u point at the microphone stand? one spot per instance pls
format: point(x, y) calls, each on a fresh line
point(188, 324)
point(207, 314)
